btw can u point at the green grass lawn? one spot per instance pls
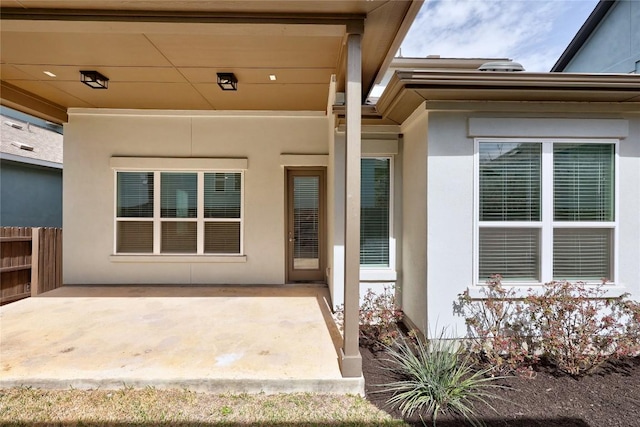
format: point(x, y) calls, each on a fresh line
point(127, 406)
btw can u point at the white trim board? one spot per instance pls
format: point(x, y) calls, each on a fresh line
point(548, 128)
point(172, 163)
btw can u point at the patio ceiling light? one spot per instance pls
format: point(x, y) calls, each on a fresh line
point(94, 79)
point(227, 81)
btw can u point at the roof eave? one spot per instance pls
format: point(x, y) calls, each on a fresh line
point(402, 88)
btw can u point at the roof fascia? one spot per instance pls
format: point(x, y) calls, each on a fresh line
point(179, 16)
point(583, 34)
point(414, 8)
point(403, 81)
point(30, 161)
point(26, 102)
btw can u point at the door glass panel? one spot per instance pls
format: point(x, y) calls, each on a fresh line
point(306, 216)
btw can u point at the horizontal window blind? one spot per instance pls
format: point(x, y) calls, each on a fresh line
point(179, 237)
point(178, 196)
point(134, 236)
point(222, 195)
point(510, 181)
point(583, 179)
point(222, 237)
point(135, 195)
point(182, 213)
point(582, 254)
point(374, 212)
point(306, 217)
point(513, 253)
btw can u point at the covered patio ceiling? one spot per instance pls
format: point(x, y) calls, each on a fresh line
point(165, 54)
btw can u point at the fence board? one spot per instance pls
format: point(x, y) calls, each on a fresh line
point(15, 263)
point(30, 261)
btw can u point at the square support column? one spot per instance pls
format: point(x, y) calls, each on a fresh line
point(350, 358)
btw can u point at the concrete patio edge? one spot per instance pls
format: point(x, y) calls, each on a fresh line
point(353, 386)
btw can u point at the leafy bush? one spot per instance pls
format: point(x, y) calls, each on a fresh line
point(379, 318)
point(437, 378)
point(498, 329)
point(630, 310)
point(579, 329)
point(574, 326)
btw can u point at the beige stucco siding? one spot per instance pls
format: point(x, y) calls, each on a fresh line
point(91, 140)
point(414, 219)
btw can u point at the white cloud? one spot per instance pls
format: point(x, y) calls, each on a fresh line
point(532, 32)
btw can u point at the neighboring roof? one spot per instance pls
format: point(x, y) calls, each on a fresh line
point(435, 62)
point(46, 144)
point(583, 34)
point(164, 54)
point(408, 89)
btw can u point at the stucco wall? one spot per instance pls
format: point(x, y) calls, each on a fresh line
point(413, 284)
point(92, 139)
point(31, 195)
point(614, 46)
point(450, 207)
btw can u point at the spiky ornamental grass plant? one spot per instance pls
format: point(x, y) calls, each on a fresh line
point(438, 378)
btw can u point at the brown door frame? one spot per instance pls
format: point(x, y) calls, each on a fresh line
point(318, 275)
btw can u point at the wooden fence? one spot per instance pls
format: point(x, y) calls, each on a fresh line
point(31, 262)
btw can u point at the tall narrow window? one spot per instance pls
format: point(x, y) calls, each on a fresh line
point(583, 192)
point(134, 225)
point(179, 203)
point(510, 183)
point(222, 212)
point(374, 212)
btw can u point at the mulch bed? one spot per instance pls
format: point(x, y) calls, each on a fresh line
point(610, 397)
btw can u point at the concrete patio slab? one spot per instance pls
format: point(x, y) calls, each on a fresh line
point(213, 339)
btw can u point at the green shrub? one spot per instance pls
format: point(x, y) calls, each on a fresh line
point(437, 378)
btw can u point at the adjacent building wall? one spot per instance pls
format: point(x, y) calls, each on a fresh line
point(93, 137)
point(614, 46)
point(449, 221)
point(31, 195)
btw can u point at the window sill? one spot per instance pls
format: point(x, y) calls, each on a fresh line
point(378, 275)
point(521, 291)
point(179, 258)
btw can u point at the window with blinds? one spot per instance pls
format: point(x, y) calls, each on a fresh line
point(536, 230)
point(134, 210)
point(222, 212)
point(179, 213)
point(513, 252)
point(510, 182)
point(583, 182)
point(374, 212)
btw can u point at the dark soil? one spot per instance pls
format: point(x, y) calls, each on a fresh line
point(608, 398)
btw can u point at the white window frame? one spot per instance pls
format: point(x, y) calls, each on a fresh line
point(158, 220)
point(372, 273)
point(546, 224)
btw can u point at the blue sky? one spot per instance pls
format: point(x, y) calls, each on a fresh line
point(531, 32)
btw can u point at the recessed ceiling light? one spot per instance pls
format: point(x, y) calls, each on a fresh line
point(272, 77)
point(49, 73)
